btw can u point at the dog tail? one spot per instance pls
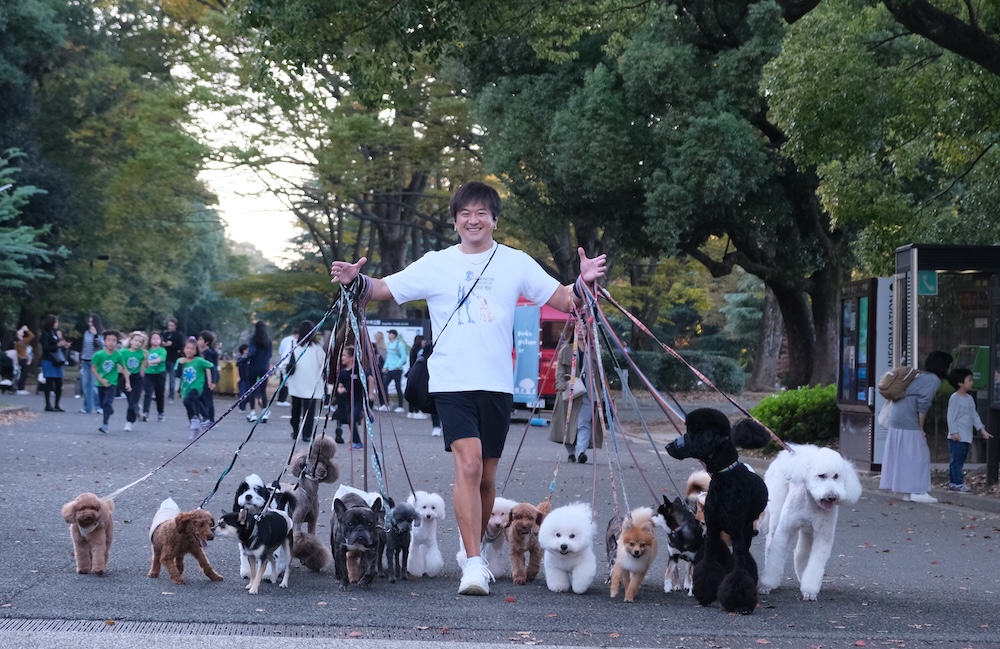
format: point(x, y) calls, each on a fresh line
point(697, 484)
point(545, 507)
point(749, 433)
point(309, 550)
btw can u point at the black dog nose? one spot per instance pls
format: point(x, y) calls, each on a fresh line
point(563, 547)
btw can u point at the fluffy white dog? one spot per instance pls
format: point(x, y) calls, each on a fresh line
point(567, 536)
point(493, 546)
point(425, 557)
point(805, 489)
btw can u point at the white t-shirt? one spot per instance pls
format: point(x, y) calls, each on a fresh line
point(283, 347)
point(475, 352)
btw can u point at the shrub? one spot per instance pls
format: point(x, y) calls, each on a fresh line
point(724, 372)
point(808, 415)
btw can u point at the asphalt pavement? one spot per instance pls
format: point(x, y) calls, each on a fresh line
point(902, 574)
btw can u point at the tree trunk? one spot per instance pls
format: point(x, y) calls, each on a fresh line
point(765, 368)
point(797, 316)
point(825, 296)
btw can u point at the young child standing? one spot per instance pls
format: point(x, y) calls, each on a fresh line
point(351, 396)
point(155, 377)
point(196, 374)
point(134, 360)
point(963, 419)
point(106, 365)
point(206, 342)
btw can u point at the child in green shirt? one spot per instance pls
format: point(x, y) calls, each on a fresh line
point(134, 359)
point(154, 381)
point(106, 365)
point(195, 373)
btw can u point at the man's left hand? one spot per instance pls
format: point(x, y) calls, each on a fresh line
point(592, 269)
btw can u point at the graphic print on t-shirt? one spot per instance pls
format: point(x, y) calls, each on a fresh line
point(481, 306)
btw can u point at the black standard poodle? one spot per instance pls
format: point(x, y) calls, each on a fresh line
point(736, 498)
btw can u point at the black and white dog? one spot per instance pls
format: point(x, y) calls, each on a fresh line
point(261, 537)
point(251, 496)
point(685, 537)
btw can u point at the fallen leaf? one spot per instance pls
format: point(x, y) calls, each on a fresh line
point(445, 629)
point(763, 641)
point(860, 643)
point(110, 622)
point(551, 615)
point(355, 634)
point(321, 603)
point(510, 599)
point(612, 635)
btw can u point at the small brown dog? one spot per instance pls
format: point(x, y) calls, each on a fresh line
point(522, 536)
point(186, 533)
point(92, 529)
point(636, 552)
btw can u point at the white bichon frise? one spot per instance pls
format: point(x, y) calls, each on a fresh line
point(493, 547)
point(567, 536)
point(425, 556)
point(805, 488)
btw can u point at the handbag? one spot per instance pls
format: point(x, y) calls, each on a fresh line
point(579, 389)
point(417, 391)
point(59, 357)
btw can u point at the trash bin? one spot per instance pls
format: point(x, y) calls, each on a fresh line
point(228, 378)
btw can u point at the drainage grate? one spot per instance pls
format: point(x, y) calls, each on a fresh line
point(293, 631)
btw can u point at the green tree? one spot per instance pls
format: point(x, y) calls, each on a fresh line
point(902, 133)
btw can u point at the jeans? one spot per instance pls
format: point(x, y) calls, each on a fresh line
point(584, 423)
point(959, 451)
point(172, 380)
point(153, 385)
point(106, 399)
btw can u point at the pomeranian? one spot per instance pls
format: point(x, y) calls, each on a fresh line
point(636, 552)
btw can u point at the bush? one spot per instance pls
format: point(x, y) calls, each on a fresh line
point(805, 416)
point(724, 372)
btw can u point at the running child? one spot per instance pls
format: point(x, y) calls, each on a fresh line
point(134, 358)
point(106, 365)
point(195, 374)
point(154, 381)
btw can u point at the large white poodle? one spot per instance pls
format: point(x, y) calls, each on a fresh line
point(567, 536)
point(805, 489)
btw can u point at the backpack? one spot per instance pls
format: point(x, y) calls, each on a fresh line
point(893, 383)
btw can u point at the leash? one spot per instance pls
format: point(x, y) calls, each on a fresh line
point(701, 377)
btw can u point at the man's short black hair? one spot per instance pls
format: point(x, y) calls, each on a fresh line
point(475, 192)
point(208, 337)
point(393, 332)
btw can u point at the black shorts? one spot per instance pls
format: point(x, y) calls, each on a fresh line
point(479, 414)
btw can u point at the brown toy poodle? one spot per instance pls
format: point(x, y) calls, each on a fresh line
point(522, 535)
point(187, 533)
point(92, 529)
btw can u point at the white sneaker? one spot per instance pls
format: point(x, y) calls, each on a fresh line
point(921, 498)
point(398, 409)
point(409, 415)
point(128, 426)
point(420, 415)
point(284, 403)
point(383, 408)
point(476, 577)
point(23, 392)
point(436, 431)
point(252, 416)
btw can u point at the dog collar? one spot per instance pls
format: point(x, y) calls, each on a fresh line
point(486, 537)
point(730, 467)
